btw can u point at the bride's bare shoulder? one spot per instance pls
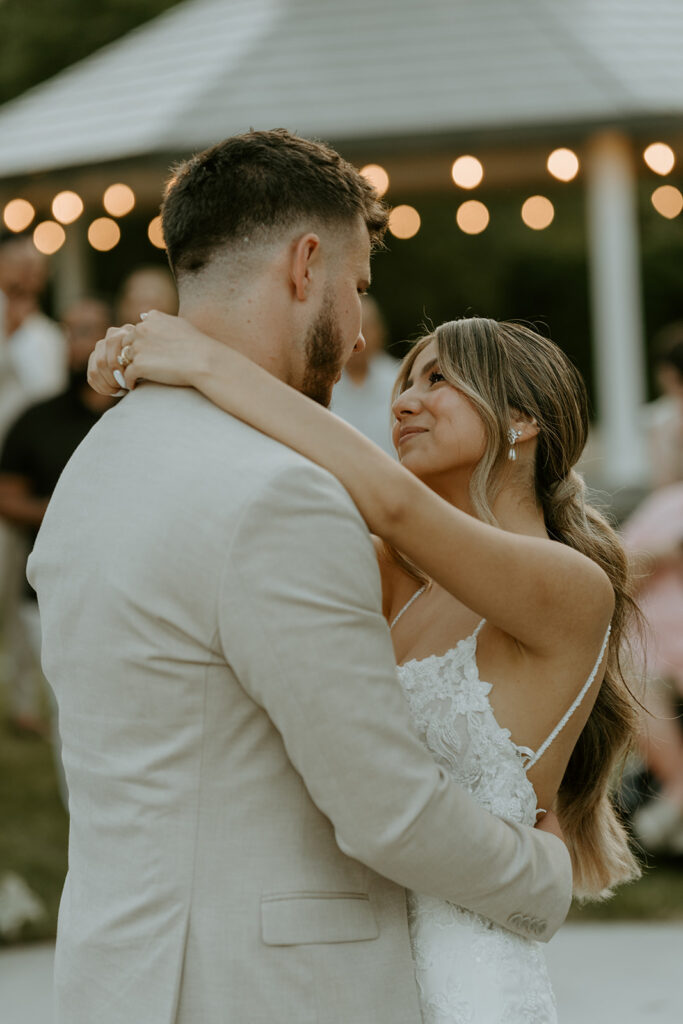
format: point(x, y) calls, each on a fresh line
point(393, 577)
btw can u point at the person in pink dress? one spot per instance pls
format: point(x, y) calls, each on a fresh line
point(654, 536)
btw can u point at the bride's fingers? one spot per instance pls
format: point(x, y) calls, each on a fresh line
point(116, 340)
point(131, 376)
point(100, 374)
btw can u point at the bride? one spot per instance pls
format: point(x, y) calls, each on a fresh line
point(506, 595)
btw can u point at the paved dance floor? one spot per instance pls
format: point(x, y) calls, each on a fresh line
point(601, 973)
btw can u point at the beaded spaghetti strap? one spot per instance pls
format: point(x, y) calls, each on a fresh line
point(407, 605)
point(568, 714)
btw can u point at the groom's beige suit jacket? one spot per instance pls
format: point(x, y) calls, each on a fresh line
point(248, 798)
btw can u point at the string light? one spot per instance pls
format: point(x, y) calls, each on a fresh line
point(404, 221)
point(155, 233)
point(18, 214)
point(538, 212)
point(659, 158)
point(119, 200)
point(467, 172)
point(104, 234)
point(472, 217)
point(667, 201)
point(563, 164)
point(67, 207)
point(377, 176)
point(48, 237)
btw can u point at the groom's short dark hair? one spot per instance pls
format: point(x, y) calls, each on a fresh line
point(251, 184)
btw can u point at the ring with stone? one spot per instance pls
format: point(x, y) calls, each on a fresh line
point(124, 359)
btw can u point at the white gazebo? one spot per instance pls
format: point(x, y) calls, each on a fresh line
point(409, 85)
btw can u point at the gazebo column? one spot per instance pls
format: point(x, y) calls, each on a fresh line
point(615, 285)
point(72, 279)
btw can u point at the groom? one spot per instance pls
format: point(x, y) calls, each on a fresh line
point(248, 798)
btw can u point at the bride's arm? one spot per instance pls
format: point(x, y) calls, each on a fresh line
point(536, 590)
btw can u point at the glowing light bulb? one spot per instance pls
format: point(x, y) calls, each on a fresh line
point(472, 217)
point(467, 171)
point(67, 207)
point(538, 212)
point(404, 221)
point(659, 158)
point(48, 237)
point(18, 214)
point(563, 164)
point(377, 176)
point(119, 200)
point(104, 234)
point(155, 233)
point(667, 201)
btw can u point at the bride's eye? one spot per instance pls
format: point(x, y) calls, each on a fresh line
point(435, 377)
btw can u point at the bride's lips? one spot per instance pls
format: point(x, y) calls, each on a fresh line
point(407, 432)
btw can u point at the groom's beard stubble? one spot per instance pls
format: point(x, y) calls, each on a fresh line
point(324, 357)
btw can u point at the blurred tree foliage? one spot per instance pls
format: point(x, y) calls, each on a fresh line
point(507, 272)
point(40, 37)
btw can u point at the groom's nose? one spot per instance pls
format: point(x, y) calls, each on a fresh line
point(360, 343)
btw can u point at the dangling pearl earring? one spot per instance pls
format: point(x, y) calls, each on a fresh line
point(512, 438)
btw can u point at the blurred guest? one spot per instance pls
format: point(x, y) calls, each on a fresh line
point(664, 417)
point(35, 343)
point(35, 452)
point(144, 289)
point(654, 537)
point(363, 395)
point(32, 366)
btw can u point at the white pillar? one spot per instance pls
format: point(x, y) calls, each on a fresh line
point(615, 284)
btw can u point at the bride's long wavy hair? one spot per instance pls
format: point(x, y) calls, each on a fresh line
point(502, 367)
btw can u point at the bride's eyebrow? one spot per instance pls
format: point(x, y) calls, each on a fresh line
point(423, 372)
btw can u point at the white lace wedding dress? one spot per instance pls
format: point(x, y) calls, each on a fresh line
point(469, 970)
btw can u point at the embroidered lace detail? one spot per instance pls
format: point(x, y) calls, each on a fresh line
point(469, 970)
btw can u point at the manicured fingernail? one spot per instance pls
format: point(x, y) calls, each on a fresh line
point(120, 380)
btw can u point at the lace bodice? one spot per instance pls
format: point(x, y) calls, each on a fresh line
point(450, 707)
point(470, 971)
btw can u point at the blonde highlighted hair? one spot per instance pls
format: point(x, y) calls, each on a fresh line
point(506, 367)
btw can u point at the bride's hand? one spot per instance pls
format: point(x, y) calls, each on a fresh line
point(551, 823)
point(161, 348)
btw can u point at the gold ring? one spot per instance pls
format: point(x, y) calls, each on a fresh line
point(124, 359)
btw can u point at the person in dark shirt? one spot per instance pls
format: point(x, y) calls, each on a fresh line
point(43, 439)
point(37, 448)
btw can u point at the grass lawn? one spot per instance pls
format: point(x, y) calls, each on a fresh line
point(657, 896)
point(34, 828)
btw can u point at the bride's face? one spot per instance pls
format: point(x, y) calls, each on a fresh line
point(437, 429)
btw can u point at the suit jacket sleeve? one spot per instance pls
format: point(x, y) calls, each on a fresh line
point(301, 626)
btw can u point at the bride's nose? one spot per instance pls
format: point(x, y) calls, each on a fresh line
point(406, 404)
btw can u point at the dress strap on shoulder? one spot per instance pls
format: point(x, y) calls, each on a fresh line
point(407, 605)
point(568, 714)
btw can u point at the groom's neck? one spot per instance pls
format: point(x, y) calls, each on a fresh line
point(243, 327)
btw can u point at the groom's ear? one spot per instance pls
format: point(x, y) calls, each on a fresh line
point(304, 264)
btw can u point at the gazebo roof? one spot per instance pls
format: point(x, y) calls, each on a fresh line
point(357, 70)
